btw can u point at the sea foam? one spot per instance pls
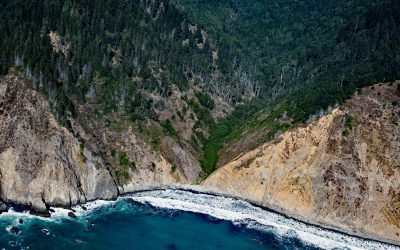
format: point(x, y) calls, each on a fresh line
point(243, 213)
point(238, 211)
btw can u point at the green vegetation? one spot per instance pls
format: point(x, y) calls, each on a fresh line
point(168, 129)
point(245, 119)
point(202, 113)
point(205, 100)
point(173, 168)
point(122, 170)
point(123, 159)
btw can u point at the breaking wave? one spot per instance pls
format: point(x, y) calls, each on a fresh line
point(243, 213)
point(240, 212)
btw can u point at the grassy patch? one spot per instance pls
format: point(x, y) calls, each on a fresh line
point(168, 129)
point(173, 168)
point(124, 166)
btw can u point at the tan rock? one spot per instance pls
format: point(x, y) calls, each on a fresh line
point(346, 180)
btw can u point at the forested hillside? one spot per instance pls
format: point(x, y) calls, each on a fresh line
point(306, 56)
point(258, 66)
point(115, 52)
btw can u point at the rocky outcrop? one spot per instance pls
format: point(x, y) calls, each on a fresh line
point(342, 170)
point(41, 162)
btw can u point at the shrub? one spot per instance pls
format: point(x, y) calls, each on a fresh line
point(205, 100)
point(168, 129)
point(173, 168)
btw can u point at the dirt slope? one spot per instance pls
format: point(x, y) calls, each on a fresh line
point(342, 170)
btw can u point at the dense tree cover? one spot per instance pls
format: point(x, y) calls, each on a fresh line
point(113, 52)
point(307, 55)
point(283, 42)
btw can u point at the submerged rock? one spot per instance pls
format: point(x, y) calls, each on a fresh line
point(15, 230)
point(20, 221)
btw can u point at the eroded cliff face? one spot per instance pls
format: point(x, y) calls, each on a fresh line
point(43, 163)
point(40, 161)
point(342, 170)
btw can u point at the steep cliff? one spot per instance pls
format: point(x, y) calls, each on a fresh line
point(43, 163)
point(342, 170)
point(40, 161)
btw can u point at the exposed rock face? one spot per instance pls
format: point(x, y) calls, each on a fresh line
point(336, 171)
point(152, 168)
point(188, 164)
point(40, 161)
point(43, 163)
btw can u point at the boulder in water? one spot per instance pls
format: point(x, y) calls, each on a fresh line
point(72, 215)
point(41, 213)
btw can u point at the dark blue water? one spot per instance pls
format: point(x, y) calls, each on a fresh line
point(172, 219)
point(131, 225)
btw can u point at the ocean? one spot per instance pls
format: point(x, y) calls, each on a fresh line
point(170, 219)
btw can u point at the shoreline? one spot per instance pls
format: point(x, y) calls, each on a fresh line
point(198, 189)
